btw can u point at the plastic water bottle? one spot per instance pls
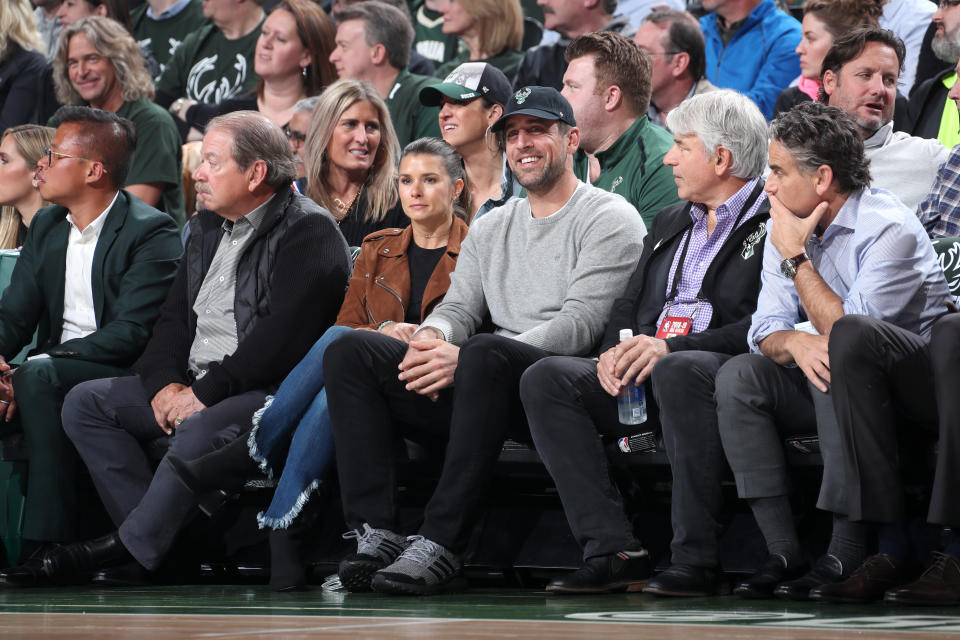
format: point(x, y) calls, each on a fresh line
point(631, 403)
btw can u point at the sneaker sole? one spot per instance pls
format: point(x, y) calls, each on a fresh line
point(383, 584)
point(628, 587)
point(356, 575)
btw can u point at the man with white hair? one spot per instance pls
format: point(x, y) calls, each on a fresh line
point(688, 305)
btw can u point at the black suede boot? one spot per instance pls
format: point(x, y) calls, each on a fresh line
point(288, 571)
point(214, 477)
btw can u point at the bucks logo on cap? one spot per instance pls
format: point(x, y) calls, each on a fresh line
point(521, 95)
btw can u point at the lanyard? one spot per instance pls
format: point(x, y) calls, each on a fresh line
point(678, 274)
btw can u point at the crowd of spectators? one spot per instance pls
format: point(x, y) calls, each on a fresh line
point(460, 222)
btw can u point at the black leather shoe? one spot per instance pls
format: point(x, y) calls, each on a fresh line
point(213, 478)
point(826, 570)
point(876, 575)
point(622, 571)
point(939, 584)
point(28, 574)
point(130, 574)
point(685, 580)
point(762, 583)
point(78, 561)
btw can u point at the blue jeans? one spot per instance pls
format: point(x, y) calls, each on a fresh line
point(293, 432)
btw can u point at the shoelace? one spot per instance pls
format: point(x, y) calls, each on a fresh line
point(422, 550)
point(939, 565)
point(370, 536)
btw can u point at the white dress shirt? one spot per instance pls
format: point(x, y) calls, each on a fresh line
point(79, 317)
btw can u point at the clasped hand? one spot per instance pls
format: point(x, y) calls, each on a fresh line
point(173, 404)
point(8, 406)
point(429, 366)
point(631, 360)
point(810, 354)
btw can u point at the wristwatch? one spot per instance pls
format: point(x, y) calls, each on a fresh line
point(789, 265)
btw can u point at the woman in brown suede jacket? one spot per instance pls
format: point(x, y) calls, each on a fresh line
point(400, 275)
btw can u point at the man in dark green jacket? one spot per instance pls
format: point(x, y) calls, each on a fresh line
point(89, 281)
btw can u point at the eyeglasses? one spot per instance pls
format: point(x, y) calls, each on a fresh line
point(302, 137)
point(49, 153)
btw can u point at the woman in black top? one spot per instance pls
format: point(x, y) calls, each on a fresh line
point(351, 159)
point(22, 65)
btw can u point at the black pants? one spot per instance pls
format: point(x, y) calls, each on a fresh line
point(887, 379)
point(685, 386)
point(568, 411)
point(369, 408)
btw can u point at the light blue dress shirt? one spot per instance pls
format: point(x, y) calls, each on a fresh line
point(875, 255)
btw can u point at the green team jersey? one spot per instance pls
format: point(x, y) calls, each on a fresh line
point(507, 61)
point(163, 37)
point(412, 120)
point(429, 40)
point(208, 68)
point(633, 167)
point(157, 157)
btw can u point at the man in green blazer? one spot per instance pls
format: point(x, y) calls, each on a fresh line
point(89, 281)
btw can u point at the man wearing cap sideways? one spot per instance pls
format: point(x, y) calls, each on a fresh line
point(471, 99)
point(546, 270)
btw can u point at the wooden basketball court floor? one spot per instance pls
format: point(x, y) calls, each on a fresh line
point(243, 612)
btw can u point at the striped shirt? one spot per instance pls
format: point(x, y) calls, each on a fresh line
point(216, 335)
point(701, 249)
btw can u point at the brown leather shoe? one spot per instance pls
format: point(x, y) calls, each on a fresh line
point(939, 584)
point(877, 574)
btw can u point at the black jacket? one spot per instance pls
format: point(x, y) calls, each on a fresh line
point(290, 285)
point(731, 284)
point(926, 106)
point(544, 65)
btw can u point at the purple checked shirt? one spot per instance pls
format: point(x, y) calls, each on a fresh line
point(700, 253)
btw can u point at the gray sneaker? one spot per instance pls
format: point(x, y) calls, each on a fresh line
point(376, 548)
point(424, 568)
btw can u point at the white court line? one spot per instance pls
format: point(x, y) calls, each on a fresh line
point(398, 623)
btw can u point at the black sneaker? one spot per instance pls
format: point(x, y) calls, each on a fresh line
point(376, 548)
point(623, 571)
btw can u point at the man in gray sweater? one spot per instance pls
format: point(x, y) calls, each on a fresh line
point(546, 270)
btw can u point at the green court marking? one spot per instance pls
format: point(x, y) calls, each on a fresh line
point(480, 604)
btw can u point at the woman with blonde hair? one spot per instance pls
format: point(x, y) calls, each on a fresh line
point(492, 31)
point(21, 148)
point(22, 64)
point(351, 160)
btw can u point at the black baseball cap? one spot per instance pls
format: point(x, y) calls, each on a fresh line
point(468, 81)
point(539, 102)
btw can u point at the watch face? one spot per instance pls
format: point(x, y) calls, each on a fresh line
point(787, 268)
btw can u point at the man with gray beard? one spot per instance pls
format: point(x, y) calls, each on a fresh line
point(931, 113)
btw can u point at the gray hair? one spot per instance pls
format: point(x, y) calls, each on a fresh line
point(256, 137)
point(725, 118)
point(307, 104)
